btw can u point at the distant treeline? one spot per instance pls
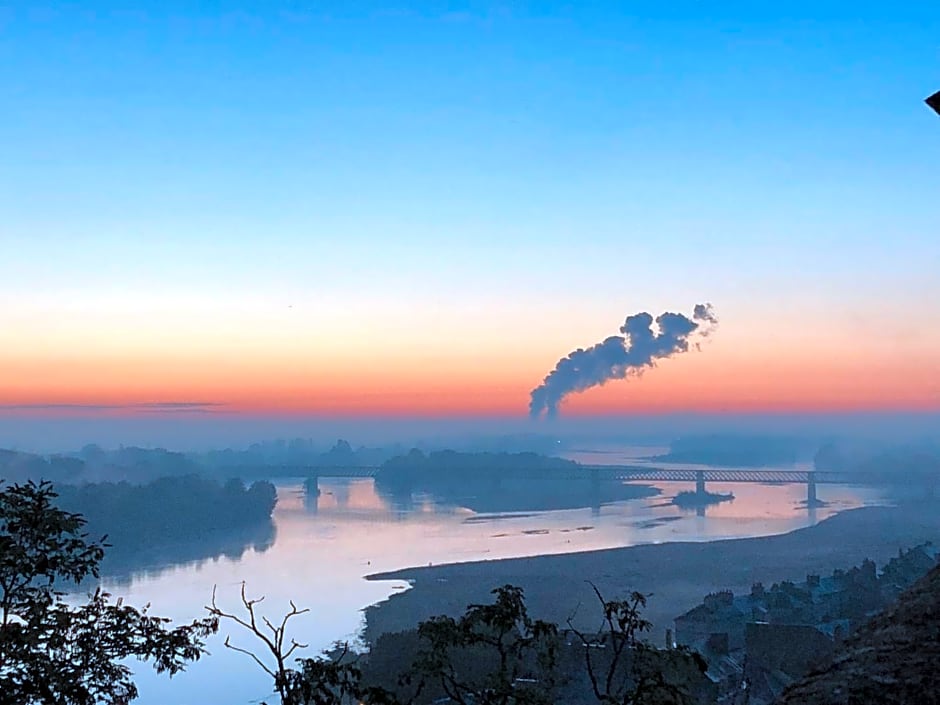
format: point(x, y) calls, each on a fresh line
point(499, 482)
point(139, 465)
point(94, 464)
point(275, 458)
point(19, 467)
point(450, 468)
point(271, 457)
point(163, 516)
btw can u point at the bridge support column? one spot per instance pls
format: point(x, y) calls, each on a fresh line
point(595, 492)
point(311, 493)
point(811, 500)
point(699, 482)
point(312, 486)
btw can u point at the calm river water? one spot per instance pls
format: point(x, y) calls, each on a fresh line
point(323, 548)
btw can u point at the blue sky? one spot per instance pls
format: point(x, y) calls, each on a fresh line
point(486, 181)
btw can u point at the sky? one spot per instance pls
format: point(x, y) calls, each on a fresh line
point(371, 209)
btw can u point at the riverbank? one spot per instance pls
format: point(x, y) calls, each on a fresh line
point(678, 575)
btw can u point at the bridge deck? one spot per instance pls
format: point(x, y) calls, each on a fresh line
point(719, 475)
point(627, 473)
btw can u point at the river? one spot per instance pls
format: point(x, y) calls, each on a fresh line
point(323, 547)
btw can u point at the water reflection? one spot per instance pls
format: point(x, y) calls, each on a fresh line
point(124, 565)
point(321, 547)
point(507, 495)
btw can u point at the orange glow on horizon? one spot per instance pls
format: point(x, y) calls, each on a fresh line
point(714, 381)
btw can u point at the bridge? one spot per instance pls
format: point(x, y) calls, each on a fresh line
point(604, 472)
point(626, 473)
point(633, 472)
point(810, 478)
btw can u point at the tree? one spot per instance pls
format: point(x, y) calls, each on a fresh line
point(334, 679)
point(319, 681)
point(53, 653)
point(624, 670)
point(271, 636)
point(494, 654)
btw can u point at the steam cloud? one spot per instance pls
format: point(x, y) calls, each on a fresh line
point(621, 355)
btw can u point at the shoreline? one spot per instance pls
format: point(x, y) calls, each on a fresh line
point(676, 575)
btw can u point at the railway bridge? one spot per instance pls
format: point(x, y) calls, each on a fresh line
point(811, 478)
point(627, 473)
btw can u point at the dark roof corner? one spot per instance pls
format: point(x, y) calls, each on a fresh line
point(934, 102)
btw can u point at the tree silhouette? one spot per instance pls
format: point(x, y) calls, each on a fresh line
point(495, 654)
point(624, 670)
point(52, 653)
point(270, 635)
point(319, 681)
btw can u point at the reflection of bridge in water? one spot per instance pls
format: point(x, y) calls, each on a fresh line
point(700, 476)
point(629, 473)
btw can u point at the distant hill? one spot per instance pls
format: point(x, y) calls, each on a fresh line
point(892, 660)
point(737, 450)
point(19, 467)
point(892, 464)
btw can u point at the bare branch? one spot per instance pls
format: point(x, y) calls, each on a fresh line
point(272, 639)
point(215, 611)
point(293, 647)
point(240, 650)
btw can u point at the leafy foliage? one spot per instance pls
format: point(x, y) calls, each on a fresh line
point(494, 654)
point(514, 655)
point(330, 681)
point(55, 653)
point(624, 670)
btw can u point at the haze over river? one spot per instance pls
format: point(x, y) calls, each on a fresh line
point(323, 547)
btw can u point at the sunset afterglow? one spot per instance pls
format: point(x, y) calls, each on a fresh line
point(432, 242)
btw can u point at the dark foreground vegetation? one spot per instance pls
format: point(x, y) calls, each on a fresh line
point(56, 653)
point(493, 654)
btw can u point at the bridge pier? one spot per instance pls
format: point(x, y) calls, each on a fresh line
point(312, 486)
point(312, 493)
point(811, 500)
point(595, 491)
point(699, 482)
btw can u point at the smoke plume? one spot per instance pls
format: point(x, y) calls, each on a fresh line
point(621, 355)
